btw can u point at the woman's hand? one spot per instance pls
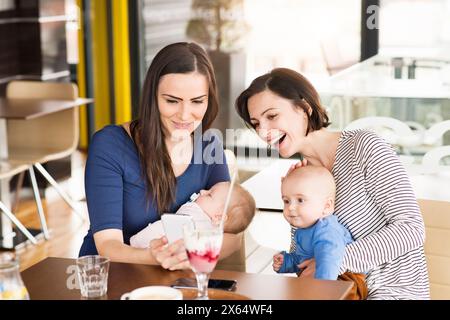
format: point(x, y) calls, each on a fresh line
point(308, 267)
point(299, 164)
point(170, 256)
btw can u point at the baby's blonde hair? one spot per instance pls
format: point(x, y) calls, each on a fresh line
point(327, 185)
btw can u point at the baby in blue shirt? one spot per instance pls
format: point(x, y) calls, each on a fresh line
point(308, 195)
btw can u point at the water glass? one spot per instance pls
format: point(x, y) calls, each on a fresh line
point(93, 275)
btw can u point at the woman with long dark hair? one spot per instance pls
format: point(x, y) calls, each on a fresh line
point(139, 170)
point(374, 197)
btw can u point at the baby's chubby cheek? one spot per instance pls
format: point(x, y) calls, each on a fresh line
point(205, 204)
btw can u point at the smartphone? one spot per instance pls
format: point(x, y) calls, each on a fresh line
point(173, 225)
point(221, 284)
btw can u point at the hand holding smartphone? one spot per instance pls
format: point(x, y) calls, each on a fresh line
point(173, 225)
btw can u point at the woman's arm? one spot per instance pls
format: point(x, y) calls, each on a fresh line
point(388, 184)
point(104, 194)
point(110, 244)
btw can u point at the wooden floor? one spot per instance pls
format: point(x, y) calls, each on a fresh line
point(66, 228)
point(66, 232)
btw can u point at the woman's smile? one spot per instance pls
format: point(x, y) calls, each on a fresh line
point(279, 142)
point(277, 139)
point(182, 125)
point(182, 101)
point(277, 121)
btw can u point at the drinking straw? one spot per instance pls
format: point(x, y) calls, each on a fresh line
point(227, 201)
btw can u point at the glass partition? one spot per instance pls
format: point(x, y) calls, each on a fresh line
point(412, 89)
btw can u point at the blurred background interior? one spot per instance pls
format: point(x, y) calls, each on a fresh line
point(382, 65)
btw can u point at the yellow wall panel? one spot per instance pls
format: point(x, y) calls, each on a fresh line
point(81, 77)
point(100, 62)
point(122, 82)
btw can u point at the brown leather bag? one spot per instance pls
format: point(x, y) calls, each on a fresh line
point(359, 290)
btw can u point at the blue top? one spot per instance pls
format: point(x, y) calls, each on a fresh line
point(324, 241)
point(116, 192)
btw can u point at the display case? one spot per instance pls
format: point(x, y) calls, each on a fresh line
point(414, 90)
point(411, 89)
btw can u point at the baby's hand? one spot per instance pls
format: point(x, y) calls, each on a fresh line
point(299, 164)
point(277, 261)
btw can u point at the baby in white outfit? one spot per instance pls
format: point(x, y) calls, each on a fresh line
point(207, 206)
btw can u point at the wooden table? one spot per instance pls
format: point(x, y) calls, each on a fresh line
point(51, 278)
point(26, 109)
point(23, 109)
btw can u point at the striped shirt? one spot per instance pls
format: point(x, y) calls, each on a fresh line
point(376, 203)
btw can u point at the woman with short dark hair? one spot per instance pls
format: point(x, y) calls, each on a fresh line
point(374, 197)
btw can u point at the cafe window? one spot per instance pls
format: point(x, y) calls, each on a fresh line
point(420, 24)
point(313, 37)
point(163, 22)
point(72, 28)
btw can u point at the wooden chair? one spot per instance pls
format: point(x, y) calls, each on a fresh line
point(435, 134)
point(394, 131)
point(436, 215)
point(236, 261)
point(433, 157)
point(8, 169)
point(48, 138)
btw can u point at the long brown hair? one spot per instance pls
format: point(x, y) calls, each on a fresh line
point(290, 85)
point(148, 132)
